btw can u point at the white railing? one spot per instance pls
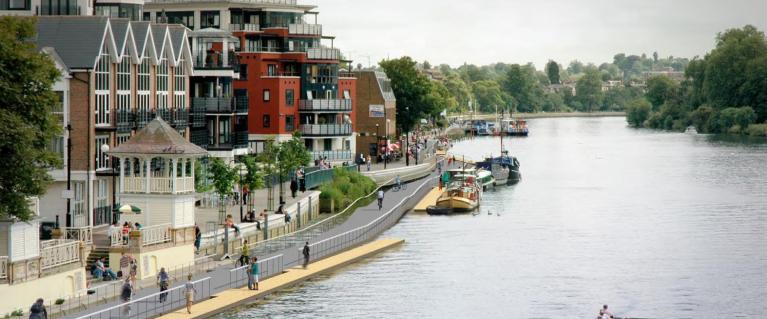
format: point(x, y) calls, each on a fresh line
point(59, 254)
point(248, 27)
point(3, 267)
point(84, 234)
point(305, 28)
point(52, 242)
point(134, 184)
point(116, 239)
point(158, 184)
point(324, 54)
point(156, 234)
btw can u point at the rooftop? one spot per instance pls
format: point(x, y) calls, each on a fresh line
point(158, 138)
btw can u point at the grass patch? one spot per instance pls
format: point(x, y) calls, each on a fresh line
point(345, 188)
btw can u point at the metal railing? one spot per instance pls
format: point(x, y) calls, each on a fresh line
point(305, 28)
point(246, 27)
point(156, 304)
point(335, 156)
point(84, 234)
point(318, 177)
point(59, 253)
point(326, 129)
point(220, 104)
point(125, 120)
point(323, 53)
point(215, 60)
point(330, 105)
point(238, 277)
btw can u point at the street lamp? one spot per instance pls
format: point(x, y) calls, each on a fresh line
point(68, 222)
point(378, 138)
point(386, 157)
point(242, 193)
point(104, 150)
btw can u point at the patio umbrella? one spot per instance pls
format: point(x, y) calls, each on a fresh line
point(125, 209)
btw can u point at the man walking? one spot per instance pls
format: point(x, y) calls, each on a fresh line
point(306, 254)
point(163, 280)
point(253, 274)
point(38, 311)
point(189, 292)
point(125, 262)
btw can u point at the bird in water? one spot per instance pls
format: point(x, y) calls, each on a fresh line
point(489, 212)
point(474, 213)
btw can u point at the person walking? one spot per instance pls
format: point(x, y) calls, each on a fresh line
point(293, 186)
point(197, 238)
point(306, 254)
point(368, 163)
point(189, 292)
point(133, 273)
point(125, 294)
point(38, 311)
point(245, 257)
point(125, 261)
point(380, 199)
point(163, 280)
point(253, 272)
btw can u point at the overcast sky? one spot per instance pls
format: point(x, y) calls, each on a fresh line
point(521, 31)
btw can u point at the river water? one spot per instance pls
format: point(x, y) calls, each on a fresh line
point(655, 224)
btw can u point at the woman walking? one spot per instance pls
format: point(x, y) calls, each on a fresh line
point(190, 291)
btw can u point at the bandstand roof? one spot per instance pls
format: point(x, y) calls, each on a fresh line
point(158, 138)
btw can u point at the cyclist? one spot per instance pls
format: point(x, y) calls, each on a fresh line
point(398, 182)
point(380, 199)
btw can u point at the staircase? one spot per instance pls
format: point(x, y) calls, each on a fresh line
point(101, 243)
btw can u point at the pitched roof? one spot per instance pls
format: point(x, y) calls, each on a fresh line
point(158, 34)
point(76, 39)
point(177, 38)
point(120, 31)
point(158, 138)
point(140, 29)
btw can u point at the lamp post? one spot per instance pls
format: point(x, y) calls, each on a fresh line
point(386, 157)
point(416, 145)
point(407, 141)
point(68, 222)
point(104, 150)
point(378, 138)
point(242, 193)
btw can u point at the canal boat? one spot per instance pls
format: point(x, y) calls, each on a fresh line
point(515, 127)
point(485, 178)
point(463, 192)
point(504, 164)
point(500, 173)
point(436, 210)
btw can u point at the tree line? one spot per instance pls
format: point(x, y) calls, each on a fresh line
point(723, 92)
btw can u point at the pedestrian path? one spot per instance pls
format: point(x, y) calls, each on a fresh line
point(233, 297)
point(428, 200)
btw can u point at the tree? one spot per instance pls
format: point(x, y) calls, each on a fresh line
point(268, 159)
point(426, 65)
point(522, 85)
point(488, 94)
point(735, 71)
point(588, 89)
point(411, 89)
point(254, 178)
point(660, 88)
point(26, 105)
point(223, 177)
point(637, 112)
point(293, 154)
point(655, 56)
point(460, 91)
point(575, 67)
point(552, 71)
point(553, 102)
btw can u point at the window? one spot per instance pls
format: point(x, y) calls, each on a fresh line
point(124, 86)
point(224, 130)
point(179, 87)
point(101, 158)
point(182, 17)
point(101, 193)
point(57, 144)
point(162, 89)
point(267, 96)
point(266, 121)
point(209, 19)
point(122, 138)
point(142, 91)
point(347, 95)
point(15, 5)
point(147, 17)
point(78, 205)
point(211, 131)
point(243, 71)
point(290, 123)
point(58, 7)
point(102, 88)
point(327, 144)
point(289, 97)
point(271, 70)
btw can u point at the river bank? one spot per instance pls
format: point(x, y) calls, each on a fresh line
point(540, 115)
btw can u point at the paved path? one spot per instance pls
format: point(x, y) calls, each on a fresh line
point(220, 276)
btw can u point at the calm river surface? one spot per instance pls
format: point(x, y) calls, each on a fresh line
point(655, 224)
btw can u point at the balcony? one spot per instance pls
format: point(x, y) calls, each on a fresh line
point(220, 104)
point(150, 235)
point(197, 116)
point(164, 113)
point(143, 117)
point(159, 185)
point(58, 252)
point(332, 105)
point(180, 118)
point(215, 61)
point(324, 54)
point(240, 139)
point(333, 156)
point(125, 120)
point(326, 129)
point(245, 27)
point(305, 29)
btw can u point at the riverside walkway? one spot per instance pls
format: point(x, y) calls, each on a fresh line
point(363, 225)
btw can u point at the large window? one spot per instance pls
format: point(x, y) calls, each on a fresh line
point(80, 219)
point(122, 138)
point(102, 188)
point(15, 5)
point(224, 131)
point(290, 123)
point(266, 121)
point(101, 157)
point(243, 71)
point(143, 90)
point(57, 144)
point(179, 86)
point(182, 17)
point(58, 7)
point(162, 88)
point(210, 19)
point(102, 88)
point(124, 85)
point(289, 97)
point(122, 10)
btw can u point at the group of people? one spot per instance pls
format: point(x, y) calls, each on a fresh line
point(125, 230)
point(128, 269)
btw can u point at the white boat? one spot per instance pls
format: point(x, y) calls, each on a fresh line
point(485, 178)
point(500, 173)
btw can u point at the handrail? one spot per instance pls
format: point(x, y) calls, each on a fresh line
point(260, 261)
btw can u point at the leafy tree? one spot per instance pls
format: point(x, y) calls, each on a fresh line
point(488, 95)
point(426, 65)
point(460, 91)
point(660, 88)
point(655, 56)
point(637, 112)
point(552, 71)
point(588, 89)
point(26, 104)
point(254, 178)
point(523, 86)
point(223, 177)
point(268, 160)
point(411, 89)
point(575, 67)
point(553, 102)
point(293, 154)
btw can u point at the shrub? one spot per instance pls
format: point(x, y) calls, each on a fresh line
point(735, 129)
point(344, 189)
point(638, 111)
point(757, 130)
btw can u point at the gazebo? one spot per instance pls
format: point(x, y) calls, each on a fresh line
point(157, 176)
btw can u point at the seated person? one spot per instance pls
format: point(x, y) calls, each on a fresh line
point(280, 210)
point(104, 272)
point(250, 217)
point(230, 224)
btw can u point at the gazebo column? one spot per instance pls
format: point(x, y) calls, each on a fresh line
point(174, 177)
point(148, 172)
point(122, 174)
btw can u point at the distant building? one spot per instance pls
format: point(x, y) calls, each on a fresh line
point(612, 84)
point(559, 88)
point(434, 74)
point(677, 76)
point(376, 104)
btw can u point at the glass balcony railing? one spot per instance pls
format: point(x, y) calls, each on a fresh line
point(244, 27)
point(326, 129)
point(335, 156)
point(215, 60)
point(332, 105)
point(221, 104)
point(305, 29)
point(180, 118)
point(323, 54)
